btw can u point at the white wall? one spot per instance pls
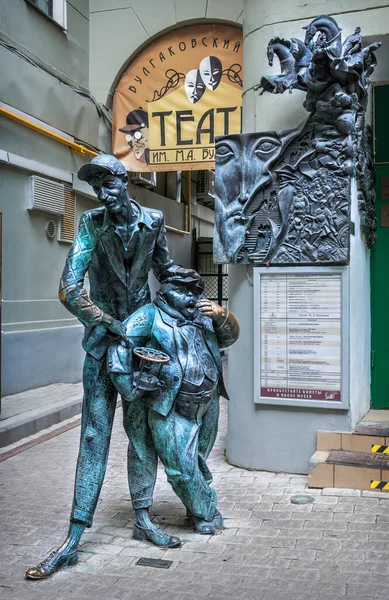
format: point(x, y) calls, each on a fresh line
point(360, 322)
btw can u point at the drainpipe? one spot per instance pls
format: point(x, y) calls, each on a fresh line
point(78, 148)
point(178, 185)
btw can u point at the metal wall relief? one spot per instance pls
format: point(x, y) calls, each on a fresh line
point(283, 197)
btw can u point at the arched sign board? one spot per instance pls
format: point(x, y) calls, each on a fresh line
point(178, 94)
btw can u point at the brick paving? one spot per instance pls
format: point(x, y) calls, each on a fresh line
point(270, 549)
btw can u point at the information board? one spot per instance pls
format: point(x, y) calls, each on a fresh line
point(300, 321)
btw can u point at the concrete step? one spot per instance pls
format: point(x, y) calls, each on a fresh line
point(356, 460)
point(29, 412)
point(372, 428)
point(351, 442)
point(375, 422)
point(352, 470)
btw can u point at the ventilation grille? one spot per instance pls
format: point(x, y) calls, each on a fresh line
point(51, 229)
point(68, 220)
point(46, 195)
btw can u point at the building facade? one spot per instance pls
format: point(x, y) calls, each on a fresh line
point(60, 72)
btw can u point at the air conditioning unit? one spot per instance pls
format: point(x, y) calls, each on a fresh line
point(46, 195)
point(147, 179)
point(205, 187)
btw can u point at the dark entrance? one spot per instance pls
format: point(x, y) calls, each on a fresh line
point(380, 254)
point(215, 276)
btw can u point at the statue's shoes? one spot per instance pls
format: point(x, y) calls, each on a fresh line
point(156, 536)
point(52, 563)
point(217, 520)
point(206, 527)
point(202, 526)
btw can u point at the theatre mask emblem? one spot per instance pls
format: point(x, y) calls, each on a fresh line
point(194, 86)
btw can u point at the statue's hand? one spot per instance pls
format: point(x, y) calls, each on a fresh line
point(211, 309)
point(116, 327)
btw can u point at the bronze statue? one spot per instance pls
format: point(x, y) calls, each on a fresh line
point(172, 369)
point(117, 245)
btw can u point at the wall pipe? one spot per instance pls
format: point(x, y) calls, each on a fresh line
point(78, 148)
point(189, 207)
point(178, 185)
point(189, 202)
point(175, 230)
point(82, 150)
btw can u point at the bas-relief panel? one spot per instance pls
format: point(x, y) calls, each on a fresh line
point(283, 197)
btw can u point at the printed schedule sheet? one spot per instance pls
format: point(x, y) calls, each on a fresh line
point(300, 320)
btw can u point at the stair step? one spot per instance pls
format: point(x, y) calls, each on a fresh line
point(375, 422)
point(359, 459)
point(377, 428)
point(356, 460)
point(351, 442)
point(352, 470)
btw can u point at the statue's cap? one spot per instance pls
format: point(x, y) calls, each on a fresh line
point(101, 165)
point(187, 278)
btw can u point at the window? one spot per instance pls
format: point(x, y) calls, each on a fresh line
point(45, 5)
point(55, 9)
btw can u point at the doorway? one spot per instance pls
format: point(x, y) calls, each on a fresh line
point(380, 254)
point(215, 276)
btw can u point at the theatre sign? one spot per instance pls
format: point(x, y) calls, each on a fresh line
point(178, 94)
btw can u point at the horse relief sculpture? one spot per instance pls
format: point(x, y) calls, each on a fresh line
point(283, 197)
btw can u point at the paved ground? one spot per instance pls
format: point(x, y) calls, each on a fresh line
point(29, 412)
point(270, 549)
